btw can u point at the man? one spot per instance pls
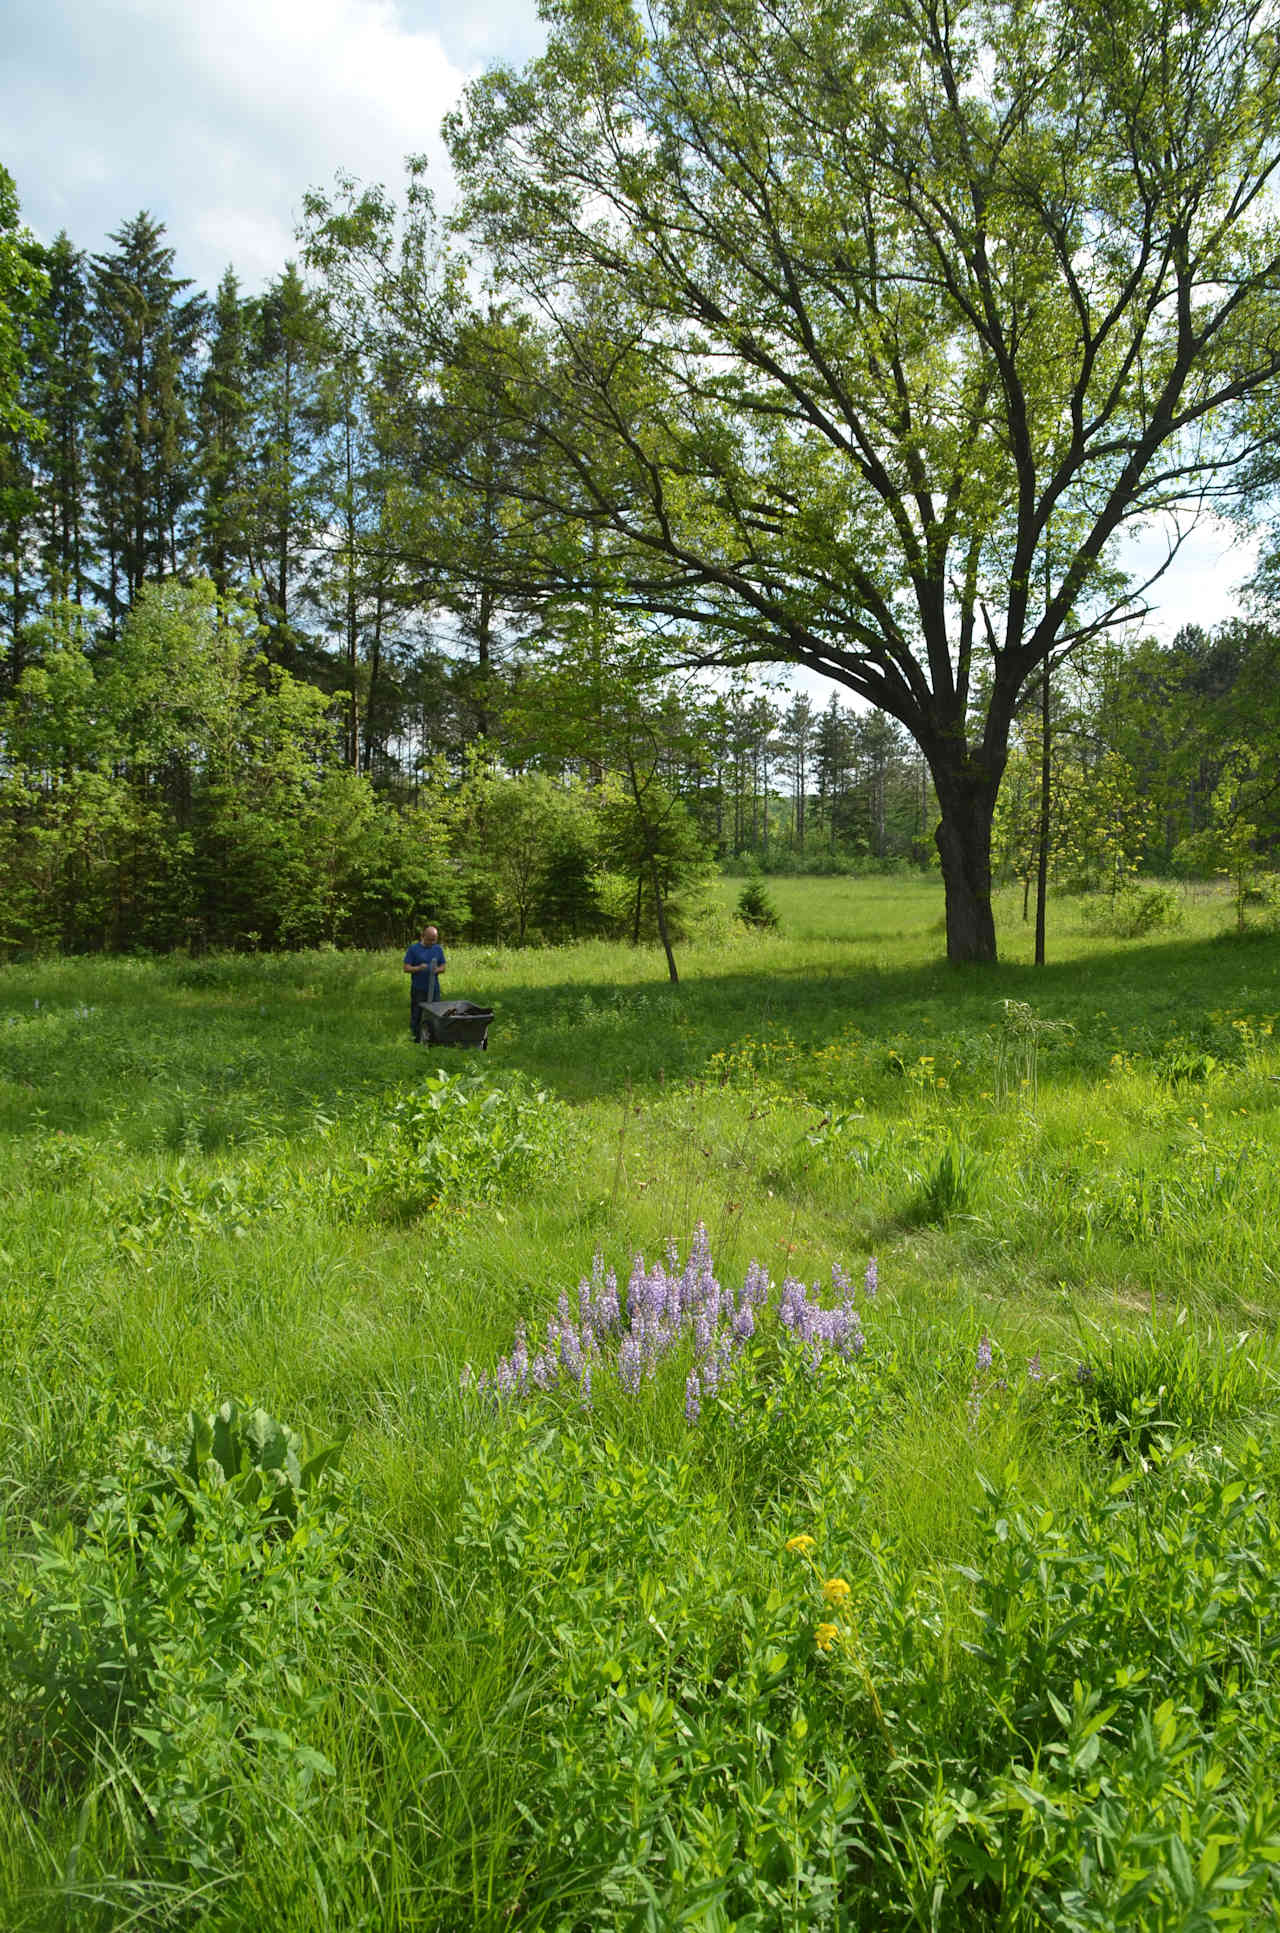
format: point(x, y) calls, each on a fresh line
point(424, 961)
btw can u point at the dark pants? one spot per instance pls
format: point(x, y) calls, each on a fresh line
point(418, 997)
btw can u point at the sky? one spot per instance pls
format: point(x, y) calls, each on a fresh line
point(217, 116)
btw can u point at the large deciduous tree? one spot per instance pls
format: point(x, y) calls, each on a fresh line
point(860, 335)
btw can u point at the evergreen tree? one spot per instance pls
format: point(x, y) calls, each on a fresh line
point(21, 286)
point(288, 358)
point(65, 390)
point(147, 328)
point(833, 761)
point(795, 741)
point(224, 418)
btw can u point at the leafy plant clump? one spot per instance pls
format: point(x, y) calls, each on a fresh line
point(169, 1637)
point(789, 1722)
point(457, 1138)
point(1135, 912)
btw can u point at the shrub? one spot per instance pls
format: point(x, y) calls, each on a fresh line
point(755, 908)
point(456, 1138)
point(1135, 912)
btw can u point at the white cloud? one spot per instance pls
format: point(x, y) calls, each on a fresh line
point(219, 117)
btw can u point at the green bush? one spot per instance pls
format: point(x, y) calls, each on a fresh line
point(1135, 912)
point(755, 908)
point(456, 1138)
point(169, 1637)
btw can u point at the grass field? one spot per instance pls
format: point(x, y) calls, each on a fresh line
point(953, 1607)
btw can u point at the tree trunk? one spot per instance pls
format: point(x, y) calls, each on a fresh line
point(1042, 833)
point(964, 846)
point(661, 911)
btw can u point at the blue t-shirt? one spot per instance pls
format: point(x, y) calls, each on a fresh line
point(425, 960)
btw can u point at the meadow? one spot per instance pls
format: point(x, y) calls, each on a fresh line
point(899, 1548)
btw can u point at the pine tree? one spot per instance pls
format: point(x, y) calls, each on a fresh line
point(833, 758)
point(23, 286)
point(288, 356)
point(65, 390)
point(147, 329)
point(224, 417)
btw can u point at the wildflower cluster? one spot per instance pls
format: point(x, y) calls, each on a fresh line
point(664, 1307)
point(818, 1329)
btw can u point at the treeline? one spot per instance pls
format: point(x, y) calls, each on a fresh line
point(249, 440)
point(242, 703)
point(162, 791)
point(1162, 761)
point(259, 685)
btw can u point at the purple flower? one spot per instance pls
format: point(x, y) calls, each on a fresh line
point(1033, 1368)
point(755, 1289)
point(629, 1365)
point(872, 1281)
point(664, 1305)
point(542, 1370)
point(984, 1352)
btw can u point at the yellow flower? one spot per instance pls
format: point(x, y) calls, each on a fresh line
point(825, 1636)
point(804, 1542)
point(836, 1591)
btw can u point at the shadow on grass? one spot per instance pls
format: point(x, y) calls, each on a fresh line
point(587, 1041)
point(282, 1036)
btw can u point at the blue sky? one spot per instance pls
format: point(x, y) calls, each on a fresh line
point(218, 115)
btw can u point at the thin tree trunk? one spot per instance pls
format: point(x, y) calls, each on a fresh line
point(1042, 837)
point(660, 909)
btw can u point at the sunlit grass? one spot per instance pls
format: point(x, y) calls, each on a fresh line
point(817, 1095)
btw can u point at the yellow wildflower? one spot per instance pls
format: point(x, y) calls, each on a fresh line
point(825, 1636)
point(836, 1591)
point(804, 1542)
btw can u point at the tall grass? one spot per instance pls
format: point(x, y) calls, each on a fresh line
point(213, 1185)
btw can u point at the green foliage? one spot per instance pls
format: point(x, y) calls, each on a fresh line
point(1075, 1737)
point(948, 1187)
point(22, 282)
point(1168, 1377)
point(458, 1138)
point(755, 908)
point(1134, 912)
point(1230, 842)
point(165, 1641)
